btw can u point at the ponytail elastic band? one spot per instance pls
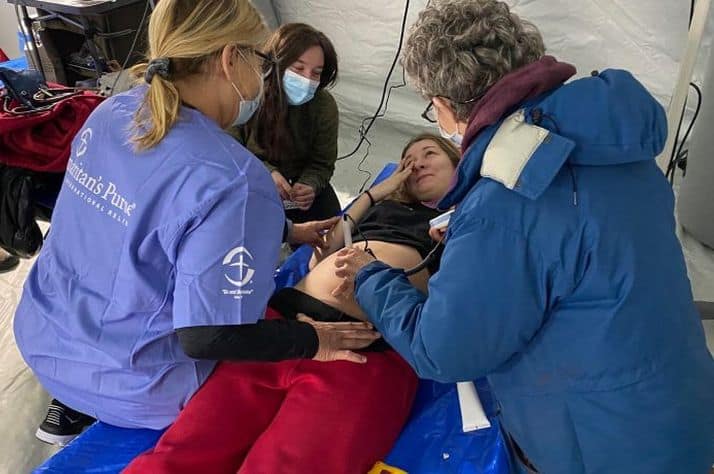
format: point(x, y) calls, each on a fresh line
point(158, 66)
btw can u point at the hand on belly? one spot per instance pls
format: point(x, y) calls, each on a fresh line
point(321, 280)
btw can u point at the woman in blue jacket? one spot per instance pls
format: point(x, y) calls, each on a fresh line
point(562, 279)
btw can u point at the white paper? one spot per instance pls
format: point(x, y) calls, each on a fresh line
point(472, 415)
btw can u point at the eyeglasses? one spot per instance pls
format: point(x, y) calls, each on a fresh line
point(429, 113)
point(267, 63)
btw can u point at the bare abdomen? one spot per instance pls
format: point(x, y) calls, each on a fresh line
point(321, 280)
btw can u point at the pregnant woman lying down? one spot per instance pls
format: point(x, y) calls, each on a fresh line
point(303, 415)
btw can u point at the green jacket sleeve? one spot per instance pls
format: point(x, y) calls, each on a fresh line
point(321, 164)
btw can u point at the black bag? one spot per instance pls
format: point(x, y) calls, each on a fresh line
point(26, 92)
point(19, 233)
point(22, 85)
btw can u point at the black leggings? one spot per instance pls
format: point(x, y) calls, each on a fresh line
point(324, 206)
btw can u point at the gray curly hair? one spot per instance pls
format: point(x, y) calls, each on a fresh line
point(459, 48)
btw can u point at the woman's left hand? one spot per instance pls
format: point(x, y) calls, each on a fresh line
point(303, 195)
point(349, 262)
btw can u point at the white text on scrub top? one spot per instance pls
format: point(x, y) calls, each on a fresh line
point(103, 196)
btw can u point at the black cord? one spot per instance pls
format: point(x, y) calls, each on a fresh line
point(133, 45)
point(424, 263)
point(359, 231)
point(386, 103)
point(363, 133)
point(682, 154)
point(409, 272)
point(679, 154)
point(675, 155)
point(362, 170)
point(365, 130)
point(117, 34)
point(682, 163)
point(694, 117)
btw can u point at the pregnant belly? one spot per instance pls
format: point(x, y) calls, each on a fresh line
point(321, 280)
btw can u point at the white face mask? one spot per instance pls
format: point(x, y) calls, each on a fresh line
point(456, 138)
point(246, 108)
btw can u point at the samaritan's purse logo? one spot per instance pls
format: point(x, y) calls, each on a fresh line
point(238, 258)
point(84, 140)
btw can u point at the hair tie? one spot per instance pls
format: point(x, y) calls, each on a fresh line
point(158, 66)
point(372, 202)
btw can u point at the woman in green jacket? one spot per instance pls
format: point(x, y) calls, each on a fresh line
point(295, 131)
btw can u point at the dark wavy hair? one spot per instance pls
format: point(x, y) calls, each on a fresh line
point(286, 45)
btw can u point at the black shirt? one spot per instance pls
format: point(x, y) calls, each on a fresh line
point(399, 223)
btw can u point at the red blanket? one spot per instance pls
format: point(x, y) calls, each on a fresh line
point(42, 141)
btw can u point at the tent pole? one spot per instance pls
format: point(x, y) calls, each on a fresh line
point(686, 70)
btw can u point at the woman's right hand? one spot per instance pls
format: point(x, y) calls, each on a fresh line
point(312, 233)
point(388, 186)
point(339, 340)
point(282, 184)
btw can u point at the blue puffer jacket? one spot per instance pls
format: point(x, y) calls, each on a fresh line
point(564, 283)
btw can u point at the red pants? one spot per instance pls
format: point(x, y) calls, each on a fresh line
point(296, 416)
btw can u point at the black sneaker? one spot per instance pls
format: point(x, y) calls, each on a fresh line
point(62, 424)
point(9, 263)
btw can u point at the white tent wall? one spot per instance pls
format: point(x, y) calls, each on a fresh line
point(8, 30)
point(645, 36)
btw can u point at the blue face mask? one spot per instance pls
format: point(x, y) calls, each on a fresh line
point(246, 108)
point(298, 89)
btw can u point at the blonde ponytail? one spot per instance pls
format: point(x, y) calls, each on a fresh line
point(160, 110)
point(187, 34)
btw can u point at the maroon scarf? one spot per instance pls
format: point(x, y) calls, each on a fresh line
point(514, 88)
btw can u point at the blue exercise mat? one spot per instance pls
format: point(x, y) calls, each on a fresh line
point(433, 441)
point(100, 449)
